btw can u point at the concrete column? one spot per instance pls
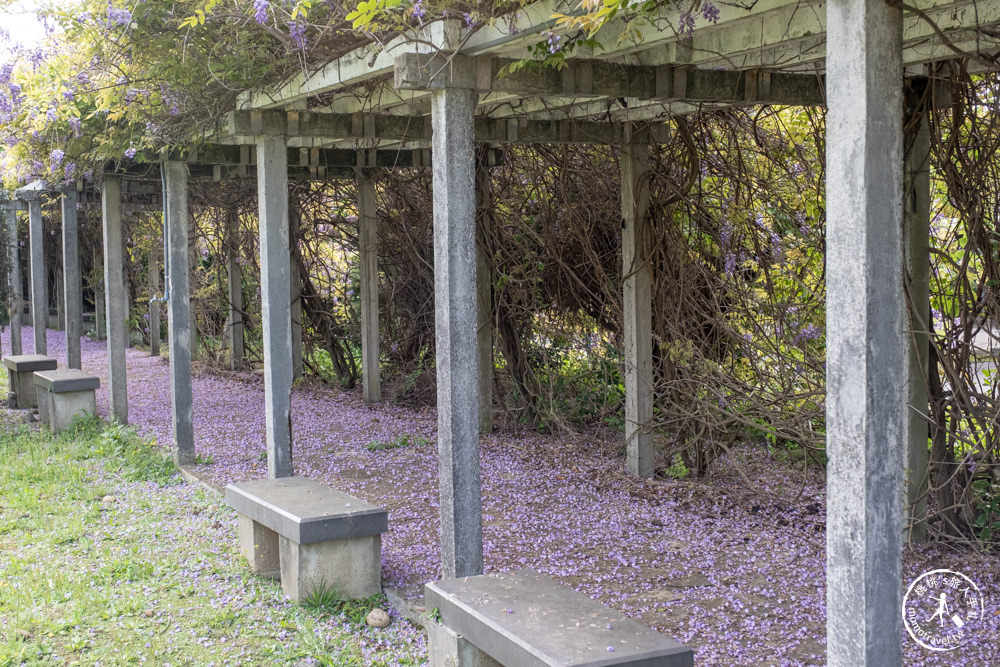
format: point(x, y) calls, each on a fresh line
point(484, 294)
point(235, 286)
point(39, 278)
point(275, 278)
point(294, 220)
point(14, 278)
point(368, 261)
point(637, 306)
point(72, 290)
point(60, 302)
point(917, 238)
point(114, 288)
point(452, 112)
point(100, 322)
point(866, 411)
point(175, 202)
point(154, 301)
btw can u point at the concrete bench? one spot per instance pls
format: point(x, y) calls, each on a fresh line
point(527, 619)
point(314, 536)
point(22, 385)
point(62, 395)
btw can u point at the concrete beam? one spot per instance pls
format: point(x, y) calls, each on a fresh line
point(114, 288)
point(866, 410)
point(14, 278)
point(72, 288)
point(234, 283)
point(275, 270)
point(602, 79)
point(39, 277)
point(455, 326)
point(179, 311)
point(637, 304)
point(331, 127)
point(368, 271)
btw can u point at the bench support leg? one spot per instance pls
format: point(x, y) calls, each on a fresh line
point(64, 406)
point(22, 384)
point(447, 649)
point(260, 547)
point(351, 567)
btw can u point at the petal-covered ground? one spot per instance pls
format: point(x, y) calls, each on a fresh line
point(732, 565)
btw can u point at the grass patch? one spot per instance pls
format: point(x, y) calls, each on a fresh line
point(401, 441)
point(108, 557)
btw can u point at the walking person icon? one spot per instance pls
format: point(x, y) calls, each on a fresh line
point(942, 609)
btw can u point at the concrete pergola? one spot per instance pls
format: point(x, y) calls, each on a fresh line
point(427, 100)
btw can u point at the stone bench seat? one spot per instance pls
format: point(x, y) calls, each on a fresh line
point(20, 369)
point(63, 395)
point(310, 534)
point(527, 619)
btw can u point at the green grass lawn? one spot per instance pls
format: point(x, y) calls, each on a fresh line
point(106, 556)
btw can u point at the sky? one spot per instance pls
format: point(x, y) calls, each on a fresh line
point(20, 24)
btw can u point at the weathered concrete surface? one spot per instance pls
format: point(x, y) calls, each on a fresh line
point(179, 311)
point(259, 544)
point(866, 411)
point(275, 278)
point(306, 511)
point(14, 280)
point(21, 369)
point(39, 279)
point(526, 618)
point(114, 289)
point(72, 289)
point(447, 649)
point(64, 395)
point(368, 263)
point(352, 567)
point(637, 306)
point(452, 112)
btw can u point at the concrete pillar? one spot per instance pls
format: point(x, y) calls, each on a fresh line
point(917, 239)
point(866, 411)
point(175, 204)
point(452, 112)
point(235, 286)
point(637, 305)
point(114, 288)
point(39, 278)
point(368, 272)
point(154, 301)
point(484, 293)
point(275, 278)
point(60, 302)
point(14, 278)
point(294, 220)
point(100, 322)
point(72, 290)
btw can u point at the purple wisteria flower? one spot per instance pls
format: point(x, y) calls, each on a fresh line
point(130, 152)
point(418, 10)
point(56, 156)
point(261, 8)
point(297, 31)
point(710, 13)
point(687, 24)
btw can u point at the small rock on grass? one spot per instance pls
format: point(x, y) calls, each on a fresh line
point(377, 618)
point(109, 499)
